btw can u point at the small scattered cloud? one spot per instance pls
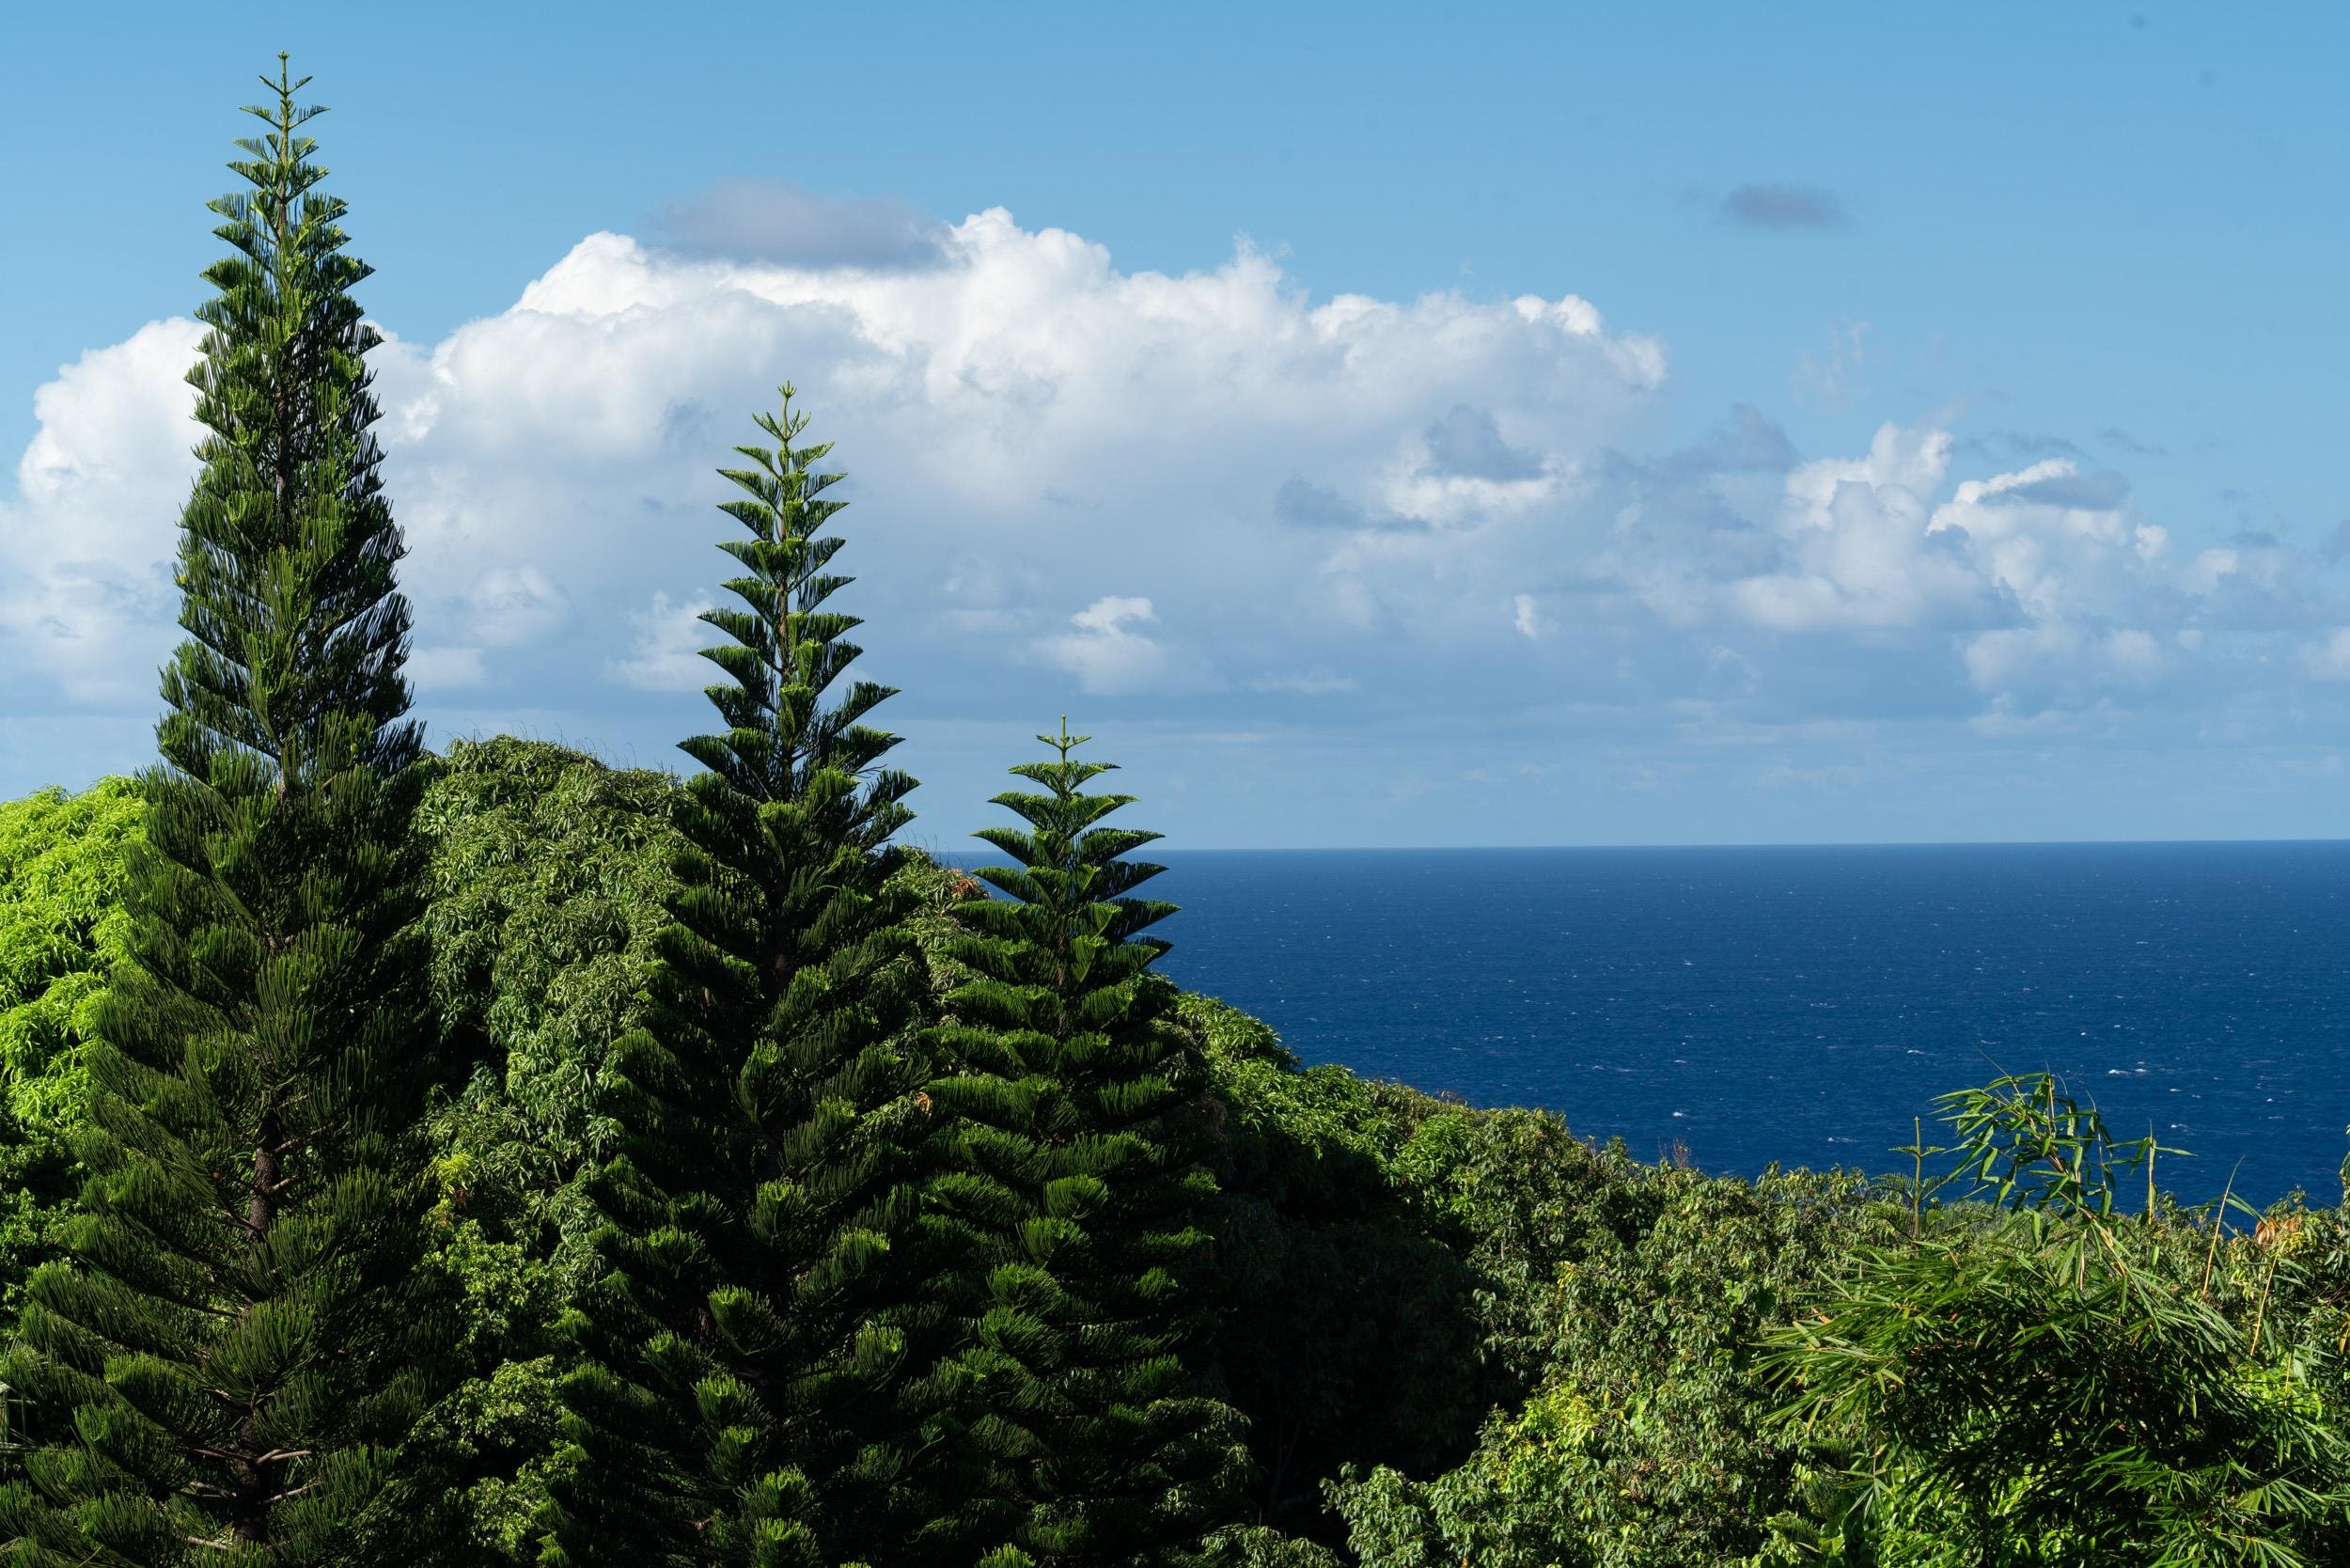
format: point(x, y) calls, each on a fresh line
point(2017, 445)
point(2005, 720)
point(440, 669)
point(2114, 435)
point(1110, 654)
point(2329, 660)
point(664, 653)
point(1831, 377)
point(514, 606)
point(786, 223)
point(1408, 789)
point(1785, 774)
point(1781, 208)
point(1527, 617)
point(1311, 684)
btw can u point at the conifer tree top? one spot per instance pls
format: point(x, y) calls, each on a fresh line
point(782, 742)
point(1071, 875)
point(297, 630)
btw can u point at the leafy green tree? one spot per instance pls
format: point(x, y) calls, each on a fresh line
point(2049, 1381)
point(740, 1402)
point(1073, 1140)
point(222, 1369)
point(62, 927)
point(1644, 1443)
point(549, 880)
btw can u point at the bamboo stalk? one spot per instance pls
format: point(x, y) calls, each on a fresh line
point(1918, 1182)
point(2260, 1314)
point(2219, 1219)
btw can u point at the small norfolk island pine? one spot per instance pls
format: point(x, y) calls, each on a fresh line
point(740, 1398)
point(219, 1369)
point(1069, 1136)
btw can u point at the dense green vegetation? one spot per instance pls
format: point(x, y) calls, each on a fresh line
point(494, 1156)
point(62, 930)
point(1450, 1333)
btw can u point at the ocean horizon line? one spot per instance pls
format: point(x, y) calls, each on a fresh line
point(1164, 847)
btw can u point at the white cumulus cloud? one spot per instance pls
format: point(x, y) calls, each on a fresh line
point(1446, 505)
point(1110, 654)
point(87, 603)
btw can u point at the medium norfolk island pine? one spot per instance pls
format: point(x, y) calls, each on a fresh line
point(1072, 1135)
point(223, 1362)
point(740, 1398)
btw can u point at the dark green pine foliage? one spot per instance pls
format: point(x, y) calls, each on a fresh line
point(220, 1366)
point(1071, 1134)
point(739, 1401)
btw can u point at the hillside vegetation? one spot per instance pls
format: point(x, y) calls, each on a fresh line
point(1455, 1334)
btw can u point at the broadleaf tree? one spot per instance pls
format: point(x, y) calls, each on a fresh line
point(221, 1369)
point(61, 931)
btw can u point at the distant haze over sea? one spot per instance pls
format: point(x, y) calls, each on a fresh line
point(1802, 1004)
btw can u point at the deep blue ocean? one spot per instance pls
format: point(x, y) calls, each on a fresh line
point(1802, 1005)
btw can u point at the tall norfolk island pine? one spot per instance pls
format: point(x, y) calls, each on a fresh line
point(1075, 1135)
point(218, 1368)
point(740, 1401)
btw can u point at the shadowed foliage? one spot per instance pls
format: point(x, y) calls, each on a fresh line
point(1075, 1143)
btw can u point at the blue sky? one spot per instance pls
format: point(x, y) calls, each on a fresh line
point(1378, 426)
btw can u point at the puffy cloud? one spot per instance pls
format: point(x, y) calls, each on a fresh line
point(85, 596)
point(1439, 506)
point(1858, 550)
point(1111, 655)
point(1021, 410)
